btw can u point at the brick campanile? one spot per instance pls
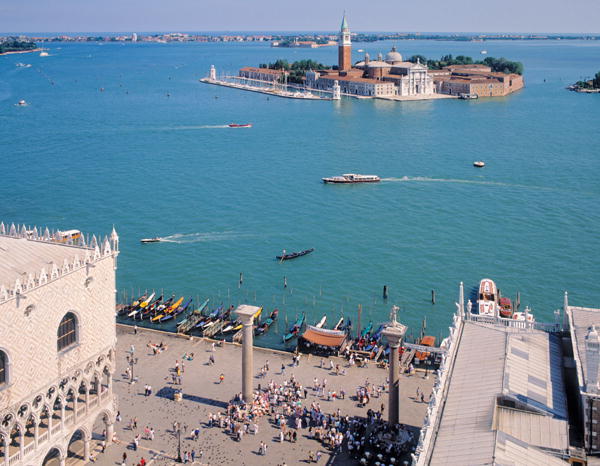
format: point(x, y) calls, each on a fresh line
point(345, 47)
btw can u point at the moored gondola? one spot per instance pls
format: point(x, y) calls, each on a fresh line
point(295, 329)
point(262, 328)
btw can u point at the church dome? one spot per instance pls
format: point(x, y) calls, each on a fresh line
point(393, 57)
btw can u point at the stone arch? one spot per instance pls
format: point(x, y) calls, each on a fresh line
point(15, 440)
point(101, 427)
point(57, 410)
point(52, 393)
point(44, 419)
point(29, 434)
point(76, 448)
point(54, 455)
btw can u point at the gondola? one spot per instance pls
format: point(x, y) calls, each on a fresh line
point(184, 322)
point(142, 305)
point(295, 329)
point(294, 255)
point(144, 313)
point(169, 310)
point(262, 328)
point(176, 311)
point(367, 329)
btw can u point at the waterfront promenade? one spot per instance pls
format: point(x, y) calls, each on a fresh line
point(203, 394)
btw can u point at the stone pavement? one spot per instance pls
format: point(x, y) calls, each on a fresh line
point(203, 394)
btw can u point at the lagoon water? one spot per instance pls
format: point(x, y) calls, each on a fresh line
point(155, 164)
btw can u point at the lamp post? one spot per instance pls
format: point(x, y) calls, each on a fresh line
point(178, 432)
point(132, 361)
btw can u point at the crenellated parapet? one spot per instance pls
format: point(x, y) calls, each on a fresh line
point(82, 253)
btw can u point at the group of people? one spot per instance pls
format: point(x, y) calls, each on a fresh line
point(375, 439)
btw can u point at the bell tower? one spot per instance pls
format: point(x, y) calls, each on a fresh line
point(344, 47)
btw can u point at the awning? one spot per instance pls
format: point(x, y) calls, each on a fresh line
point(324, 337)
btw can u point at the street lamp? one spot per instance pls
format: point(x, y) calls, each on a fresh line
point(178, 432)
point(132, 361)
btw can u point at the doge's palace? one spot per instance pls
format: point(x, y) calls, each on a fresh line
point(57, 343)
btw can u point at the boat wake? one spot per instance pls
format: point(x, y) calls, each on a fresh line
point(424, 179)
point(185, 238)
point(189, 128)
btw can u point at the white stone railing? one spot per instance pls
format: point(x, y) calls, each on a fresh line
point(55, 428)
point(513, 323)
point(29, 447)
point(43, 437)
point(15, 458)
point(439, 390)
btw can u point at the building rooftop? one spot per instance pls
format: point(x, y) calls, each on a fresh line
point(581, 319)
point(505, 398)
point(31, 257)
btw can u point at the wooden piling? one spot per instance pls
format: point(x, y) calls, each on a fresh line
point(285, 282)
point(385, 292)
point(432, 296)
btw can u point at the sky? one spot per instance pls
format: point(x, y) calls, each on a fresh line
point(575, 16)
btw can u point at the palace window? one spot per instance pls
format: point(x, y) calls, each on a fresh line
point(67, 331)
point(3, 368)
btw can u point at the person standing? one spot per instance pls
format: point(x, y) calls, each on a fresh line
point(318, 455)
point(221, 378)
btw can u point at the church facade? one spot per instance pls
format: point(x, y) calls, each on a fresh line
point(384, 77)
point(57, 343)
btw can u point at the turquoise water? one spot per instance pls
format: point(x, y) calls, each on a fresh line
point(230, 200)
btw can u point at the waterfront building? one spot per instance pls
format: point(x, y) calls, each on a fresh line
point(475, 79)
point(387, 77)
point(57, 343)
point(263, 74)
point(501, 396)
point(584, 327)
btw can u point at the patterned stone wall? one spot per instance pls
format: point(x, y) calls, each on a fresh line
point(29, 333)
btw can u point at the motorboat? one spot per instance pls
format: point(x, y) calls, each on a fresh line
point(293, 255)
point(237, 125)
point(479, 164)
point(483, 52)
point(468, 96)
point(524, 316)
point(44, 54)
point(349, 178)
point(157, 239)
point(505, 308)
point(23, 65)
point(22, 103)
point(487, 299)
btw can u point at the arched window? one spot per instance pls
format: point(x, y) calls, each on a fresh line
point(3, 368)
point(67, 331)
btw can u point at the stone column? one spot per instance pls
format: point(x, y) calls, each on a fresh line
point(62, 461)
point(6, 450)
point(246, 314)
point(394, 334)
point(22, 443)
point(110, 430)
point(36, 431)
point(86, 449)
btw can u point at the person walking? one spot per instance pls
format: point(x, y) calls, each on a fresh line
point(318, 455)
point(221, 378)
point(211, 360)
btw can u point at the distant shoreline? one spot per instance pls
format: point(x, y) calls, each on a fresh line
point(22, 51)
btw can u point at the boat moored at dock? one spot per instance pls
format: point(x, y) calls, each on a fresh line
point(487, 298)
point(351, 178)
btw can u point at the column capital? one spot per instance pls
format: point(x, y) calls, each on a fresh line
point(394, 334)
point(246, 313)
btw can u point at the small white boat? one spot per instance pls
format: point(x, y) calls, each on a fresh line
point(157, 239)
point(360, 50)
point(483, 52)
point(21, 103)
point(321, 322)
point(44, 54)
point(23, 65)
point(479, 164)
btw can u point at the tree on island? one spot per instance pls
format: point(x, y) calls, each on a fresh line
point(15, 45)
point(590, 84)
point(499, 65)
point(297, 70)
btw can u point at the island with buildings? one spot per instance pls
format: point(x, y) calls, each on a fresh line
point(589, 86)
point(391, 76)
point(12, 45)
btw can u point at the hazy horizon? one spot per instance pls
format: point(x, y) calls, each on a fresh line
point(514, 16)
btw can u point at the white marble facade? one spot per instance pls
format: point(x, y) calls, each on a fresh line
point(49, 394)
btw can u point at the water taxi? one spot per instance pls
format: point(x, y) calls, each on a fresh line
point(237, 125)
point(22, 103)
point(468, 96)
point(487, 300)
point(479, 164)
point(348, 178)
point(156, 239)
